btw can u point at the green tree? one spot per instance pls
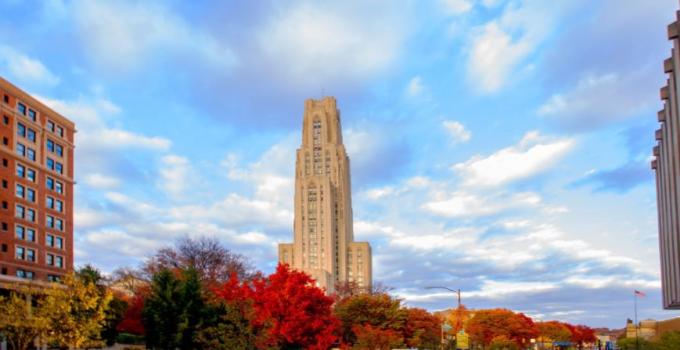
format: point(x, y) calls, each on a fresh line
point(162, 311)
point(76, 309)
point(632, 344)
point(20, 322)
point(116, 308)
point(229, 330)
point(193, 309)
point(669, 341)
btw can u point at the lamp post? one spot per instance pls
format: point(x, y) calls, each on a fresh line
point(457, 291)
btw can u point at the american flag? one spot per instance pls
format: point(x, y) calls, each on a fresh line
point(637, 292)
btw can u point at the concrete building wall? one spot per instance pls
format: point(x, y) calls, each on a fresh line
point(323, 226)
point(27, 124)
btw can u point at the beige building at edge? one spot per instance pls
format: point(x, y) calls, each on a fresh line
point(323, 240)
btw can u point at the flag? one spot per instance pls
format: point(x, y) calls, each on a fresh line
point(639, 293)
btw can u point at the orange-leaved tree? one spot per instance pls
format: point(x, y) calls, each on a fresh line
point(286, 309)
point(552, 331)
point(487, 325)
point(422, 329)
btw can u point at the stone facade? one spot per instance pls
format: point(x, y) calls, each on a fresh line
point(323, 242)
point(666, 163)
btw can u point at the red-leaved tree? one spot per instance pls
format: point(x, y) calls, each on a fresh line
point(581, 335)
point(286, 309)
point(375, 338)
point(487, 325)
point(132, 321)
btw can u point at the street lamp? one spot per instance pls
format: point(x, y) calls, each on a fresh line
point(457, 291)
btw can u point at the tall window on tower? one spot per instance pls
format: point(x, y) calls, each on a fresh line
point(311, 228)
point(316, 136)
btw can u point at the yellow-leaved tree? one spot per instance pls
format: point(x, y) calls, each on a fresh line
point(76, 310)
point(20, 323)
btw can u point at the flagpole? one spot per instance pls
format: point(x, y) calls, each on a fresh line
point(637, 341)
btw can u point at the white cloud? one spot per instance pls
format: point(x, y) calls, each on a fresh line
point(500, 46)
point(457, 7)
point(122, 34)
point(457, 131)
point(315, 43)
point(415, 87)
point(465, 204)
point(174, 174)
point(596, 100)
point(25, 68)
point(532, 155)
point(100, 181)
point(494, 56)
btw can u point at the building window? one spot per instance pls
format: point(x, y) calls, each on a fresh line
point(30, 174)
point(20, 211)
point(59, 243)
point(21, 130)
point(50, 125)
point(59, 150)
point(49, 222)
point(59, 187)
point(21, 170)
point(49, 240)
point(30, 134)
point(20, 191)
point(5, 119)
point(30, 153)
point(58, 167)
point(4, 183)
point(32, 115)
point(50, 145)
point(50, 163)
point(53, 278)
point(30, 215)
point(30, 255)
point(59, 224)
point(60, 131)
point(30, 195)
point(25, 274)
point(20, 253)
point(20, 232)
point(30, 234)
point(59, 205)
point(5, 98)
point(49, 202)
point(21, 149)
point(49, 259)
point(22, 108)
point(59, 262)
point(49, 183)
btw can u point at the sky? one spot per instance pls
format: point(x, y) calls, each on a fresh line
point(497, 146)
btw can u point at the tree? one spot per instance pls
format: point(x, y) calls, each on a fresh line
point(374, 338)
point(422, 329)
point(288, 310)
point(77, 310)
point(669, 341)
point(114, 316)
point(581, 335)
point(487, 325)
point(20, 322)
point(230, 331)
point(213, 262)
point(552, 331)
point(162, 311)
point(193, 309)
point(132, 320)
point(378, 310)
point(457, 319)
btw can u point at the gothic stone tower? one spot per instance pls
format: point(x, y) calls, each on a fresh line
point(323, 243)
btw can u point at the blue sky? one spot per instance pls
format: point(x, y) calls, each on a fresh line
point(497, 146)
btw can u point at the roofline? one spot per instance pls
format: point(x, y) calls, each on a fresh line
point(34, 101)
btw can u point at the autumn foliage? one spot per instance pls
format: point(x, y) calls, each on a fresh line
point(487, 325)
point(288, 310)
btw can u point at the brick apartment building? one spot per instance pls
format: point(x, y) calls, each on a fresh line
point(36, 188)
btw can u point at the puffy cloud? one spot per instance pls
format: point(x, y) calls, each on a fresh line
point(532, 155)
point(457, 131)
point(462, 204)
point(100, 181)
point(604, 99)
point(174, 174)
point(24, 68)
